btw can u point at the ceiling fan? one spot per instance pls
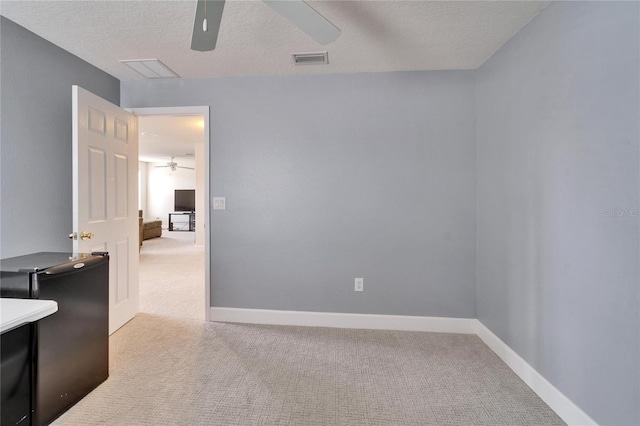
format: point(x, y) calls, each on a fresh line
point(174, 166)
point(209, 15)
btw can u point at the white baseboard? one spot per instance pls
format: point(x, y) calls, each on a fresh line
point(563, 406)
point(338, 320)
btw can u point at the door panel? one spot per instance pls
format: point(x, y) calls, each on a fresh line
point(97, 185)
point(105, 194)
point(121, 130)
point(97, 121)
point(122, 190)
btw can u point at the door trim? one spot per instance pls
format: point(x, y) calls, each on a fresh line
point(204, 111)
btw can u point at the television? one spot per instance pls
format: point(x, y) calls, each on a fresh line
point(185, 200)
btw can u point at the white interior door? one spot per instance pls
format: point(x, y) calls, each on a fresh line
point(105, 195)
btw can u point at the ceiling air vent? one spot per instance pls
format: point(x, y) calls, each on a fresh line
point(150, 68)
point(310, 58)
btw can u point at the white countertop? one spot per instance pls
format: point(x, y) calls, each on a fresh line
point(15, 312)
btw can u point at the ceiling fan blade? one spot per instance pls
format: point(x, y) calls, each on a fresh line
point(183, 167)
point(204, 39)
point(307, 19)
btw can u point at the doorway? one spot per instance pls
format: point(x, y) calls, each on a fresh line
point(181, 167)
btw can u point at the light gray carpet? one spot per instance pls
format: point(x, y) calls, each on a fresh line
point(174, 369)
point(172, 276)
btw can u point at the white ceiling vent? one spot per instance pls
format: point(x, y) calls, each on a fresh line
point(150, 68)
point(310, 58)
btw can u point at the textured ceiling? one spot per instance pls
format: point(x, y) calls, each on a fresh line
point(255, 40)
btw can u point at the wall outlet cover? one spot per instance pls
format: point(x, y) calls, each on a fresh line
point(219, 203)
point(359, 284)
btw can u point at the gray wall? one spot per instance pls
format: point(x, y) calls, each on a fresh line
point(329, 178)
point(557, 117)
point(35, 173)
point(374, 175)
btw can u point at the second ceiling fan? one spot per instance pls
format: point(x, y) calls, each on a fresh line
point(299, 13)
point(173, 166)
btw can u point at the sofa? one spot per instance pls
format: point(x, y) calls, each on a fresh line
point(149, 229)
point(140, 224)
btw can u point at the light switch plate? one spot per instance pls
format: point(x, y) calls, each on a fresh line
point(219, 203)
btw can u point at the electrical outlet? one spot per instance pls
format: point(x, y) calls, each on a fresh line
point(359, 284)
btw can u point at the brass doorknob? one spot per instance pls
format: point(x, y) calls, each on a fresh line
point(84, 235)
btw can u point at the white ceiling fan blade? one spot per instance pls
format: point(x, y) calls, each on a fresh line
point(205, 33)
point(307, 19)
point(183, 167)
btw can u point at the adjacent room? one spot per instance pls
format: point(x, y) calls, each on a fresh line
point(406, 212)
point(171, 200)
point(170, 149)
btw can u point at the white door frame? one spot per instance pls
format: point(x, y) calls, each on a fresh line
point(204, 111)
